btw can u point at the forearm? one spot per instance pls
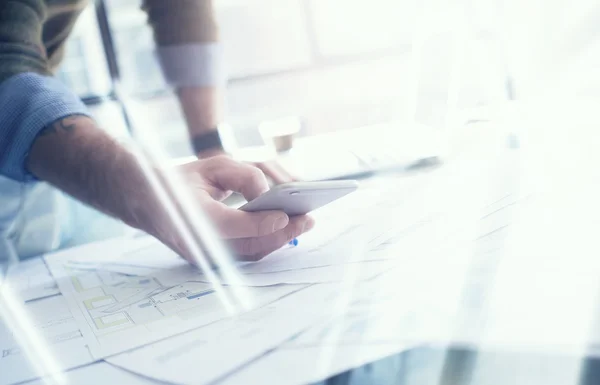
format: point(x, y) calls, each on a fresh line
point(191, 59)
point(201, 108)
point(82, 160)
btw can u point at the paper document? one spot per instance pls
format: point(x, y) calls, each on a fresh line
point(366, 322)
point(117, 312)
point(207, 354)
point(380, 240)
point(328, 329)
point(148, 257)
point(356, 271)
point(435, 235)
point(39, 338)
point(444, 205)
point(393, 312)
point(30, 279)
point(305, 366)
point(137, 256)
point(98, 373)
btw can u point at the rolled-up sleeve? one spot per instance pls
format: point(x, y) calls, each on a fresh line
point(29, 102)
point(30, 99)
point(187, 39)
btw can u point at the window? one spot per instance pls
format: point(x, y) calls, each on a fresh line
point(74, 72)
point(335, 63)
point(345, 27)
point(84, 65)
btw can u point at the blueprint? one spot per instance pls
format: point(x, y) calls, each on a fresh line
point(30, 279)
point(370, 321)
point(117, 312)
point(303, 337)
point(225, 346)
point(145, 256)
point(39, 338)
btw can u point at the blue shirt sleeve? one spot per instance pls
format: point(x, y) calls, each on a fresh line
point(29, 102)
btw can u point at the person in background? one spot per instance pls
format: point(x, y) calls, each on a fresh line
point(49, 141)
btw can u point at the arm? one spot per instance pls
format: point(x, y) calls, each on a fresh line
point(45, 130)
point(81, 160)
point(201, 108)
point(192, 63)
point(77, 157)
point(191, 59)
point(29, 98)
point(45, 134)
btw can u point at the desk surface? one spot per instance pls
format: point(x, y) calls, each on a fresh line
point(456, 366)
point(524, 296)
point(555, 162)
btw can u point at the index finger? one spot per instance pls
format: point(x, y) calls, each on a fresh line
point(229, 174)
point(275, 171)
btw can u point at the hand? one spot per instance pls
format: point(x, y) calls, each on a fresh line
point(250, 236)
point(271, 168)
point(82, 160)
point(202, 110)
point(275, 171)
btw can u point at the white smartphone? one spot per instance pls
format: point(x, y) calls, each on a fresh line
point(297, 198)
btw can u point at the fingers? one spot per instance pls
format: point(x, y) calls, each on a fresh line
point(253, 249)
point(228, 174)
point(276, 172)
point(232, 223)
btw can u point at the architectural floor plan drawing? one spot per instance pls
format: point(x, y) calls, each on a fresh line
point(117, 312)
point(30, 280)
point(56, 333)
point(227, 345)
point(115, 301)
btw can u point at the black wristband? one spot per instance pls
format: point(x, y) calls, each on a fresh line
point(207, 141)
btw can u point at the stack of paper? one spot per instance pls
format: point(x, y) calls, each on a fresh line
point(344, 297)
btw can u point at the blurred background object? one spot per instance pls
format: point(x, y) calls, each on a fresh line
point(280, 133)
point(343, 64)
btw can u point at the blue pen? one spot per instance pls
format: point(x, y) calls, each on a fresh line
point(293, 242)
